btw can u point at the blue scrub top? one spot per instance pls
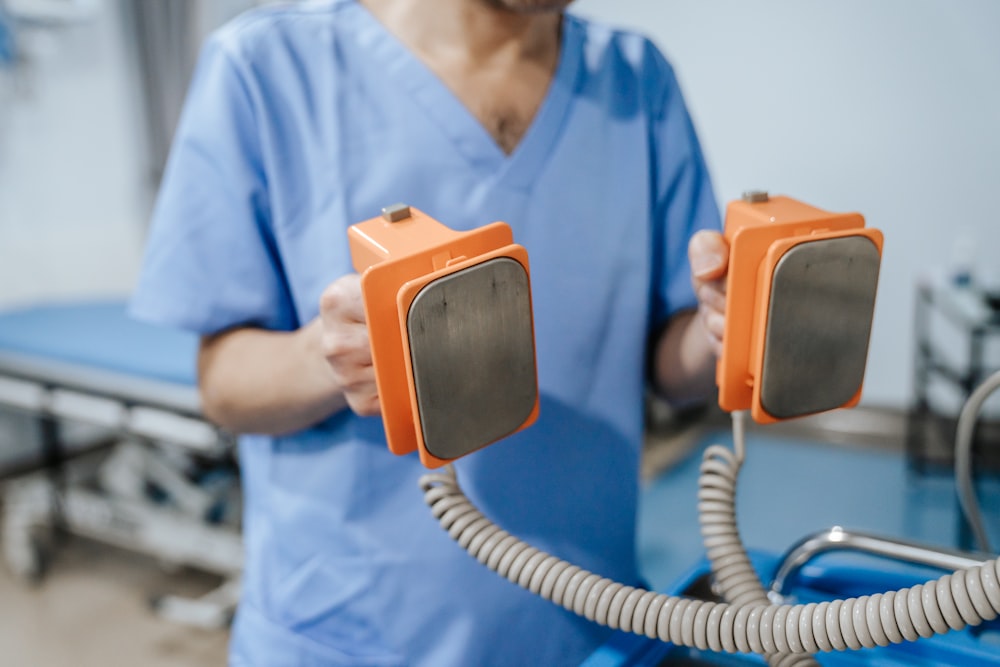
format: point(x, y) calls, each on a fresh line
point(305, 119)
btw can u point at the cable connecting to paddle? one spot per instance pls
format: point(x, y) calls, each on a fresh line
point(746, 624)
point(963, 458)
point(732, 571)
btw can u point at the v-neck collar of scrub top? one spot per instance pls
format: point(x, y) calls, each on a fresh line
point(518, 169)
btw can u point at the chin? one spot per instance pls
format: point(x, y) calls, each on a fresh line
point(531, 6)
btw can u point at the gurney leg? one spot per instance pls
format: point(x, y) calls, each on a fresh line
point(214, 610)
point(28, 511)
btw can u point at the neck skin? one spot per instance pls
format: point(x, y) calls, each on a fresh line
point(471, 33)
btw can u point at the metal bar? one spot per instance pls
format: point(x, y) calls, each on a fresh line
point(838, 539)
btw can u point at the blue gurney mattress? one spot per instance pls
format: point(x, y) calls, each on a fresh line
point(96, 348)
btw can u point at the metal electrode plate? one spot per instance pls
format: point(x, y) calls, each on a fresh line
point(473, 357)
point(818, 325)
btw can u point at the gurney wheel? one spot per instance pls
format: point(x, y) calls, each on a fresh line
point(28, 558)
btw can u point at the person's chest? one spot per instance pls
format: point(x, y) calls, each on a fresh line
point(503, 97)
point(580, 200)
point(577, 191)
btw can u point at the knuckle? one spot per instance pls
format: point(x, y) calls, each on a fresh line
point(344, 341)
point(339, 293)
point(341, 302)
point(334, 346)
point(331, 298)
point(333, 343)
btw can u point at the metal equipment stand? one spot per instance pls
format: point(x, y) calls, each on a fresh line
point(977, 320)
point(930, 434)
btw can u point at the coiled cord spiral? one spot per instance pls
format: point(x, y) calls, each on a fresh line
point(732, 571)
point(966, 597)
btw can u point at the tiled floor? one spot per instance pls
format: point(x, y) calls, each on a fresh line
point(92, 610)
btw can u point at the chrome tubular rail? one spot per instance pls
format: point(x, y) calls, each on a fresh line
point(839, 539)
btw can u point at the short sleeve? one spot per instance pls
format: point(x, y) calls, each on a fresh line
point(684, 202)
point(211, 260)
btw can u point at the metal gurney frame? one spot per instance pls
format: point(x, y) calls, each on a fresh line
point(89, 363)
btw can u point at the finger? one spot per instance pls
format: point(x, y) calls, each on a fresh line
point(346, 345)
point(713, 295)
point(714, 322)
point(342, 299)
point(712, 334)
point(353, 371)
point(354, 305)
point(364, 404)
point(716, 346)
point(708, 253)
point(359, 387)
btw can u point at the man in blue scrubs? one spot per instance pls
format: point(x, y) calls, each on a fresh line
point(305, 119)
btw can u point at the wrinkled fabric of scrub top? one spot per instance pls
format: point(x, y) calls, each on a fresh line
point(303, 120)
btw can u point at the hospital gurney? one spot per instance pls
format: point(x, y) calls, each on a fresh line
point(162, 482)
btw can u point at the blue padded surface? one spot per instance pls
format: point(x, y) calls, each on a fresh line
point(100, 335)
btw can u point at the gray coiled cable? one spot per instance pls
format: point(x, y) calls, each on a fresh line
point(732, 571)
point(966, 597)
point(963, 458)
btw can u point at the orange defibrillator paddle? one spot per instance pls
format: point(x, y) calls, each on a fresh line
point(800, 297)
point(451, 329)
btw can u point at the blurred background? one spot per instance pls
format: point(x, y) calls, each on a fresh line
point(889, 108)
point(90, 91)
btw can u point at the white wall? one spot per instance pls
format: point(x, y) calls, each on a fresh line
point(75, 181)
point(71, 177)
point(890, 108)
